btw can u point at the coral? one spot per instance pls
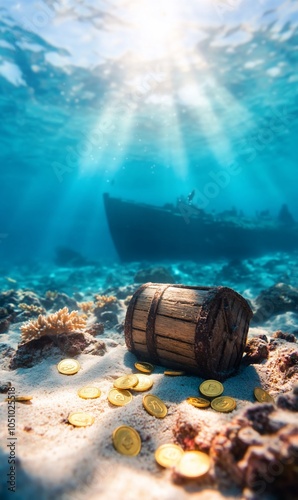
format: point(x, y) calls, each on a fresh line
point(127, 300)
point(87, 307)
point(60, 322)
point(32, 310)
point(51, 295)
point(104, 301)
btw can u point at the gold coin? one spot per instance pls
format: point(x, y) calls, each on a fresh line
point(173, 373)
point(126, 382)
point(263, 396)
point(193, 464)
point(68, 366)
point(127, 441)
point(168, 455)
point(144, 383)
point(198, 402)
point(119, 397)
point(154, 406)
point(80, 419)
point(144, 367)
point(19, 398)
point(89, 392)
point(223, 404)
point(211, 388)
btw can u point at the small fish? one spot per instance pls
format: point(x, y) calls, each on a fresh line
point(11, 280)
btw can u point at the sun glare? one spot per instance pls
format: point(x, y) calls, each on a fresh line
point(153, 27)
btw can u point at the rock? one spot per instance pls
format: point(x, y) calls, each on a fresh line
point(289, 401)
point(6, 354)
point(256, 350)
point(155, 275)
point(34, 351)
point(4, 325)
point(289, 337)
point(277, 299)
point(58, 301)
point(233, 271)
point(95, 329)
point(185, 434)
point(120, 327)
point(4, 387)
point(66, 257)
point(109, 318)
point(258, 450)
point(288, 362)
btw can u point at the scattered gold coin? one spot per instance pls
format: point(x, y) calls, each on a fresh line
point(144, 367)
point(211, 388)
point(119, 397)
point(193, 464)
point(168, 455)
point(263, 396)
point(173, 373)
point(80, 419)
point(89, 392)
point(68, 366)
point(126, 382)
point(127, 441)
point(144, 383)
point(154, 406)
point(19, 398)
point(198, 402)
point(223, 404)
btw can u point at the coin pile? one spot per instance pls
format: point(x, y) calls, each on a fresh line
point(213, 389)
point(120, 394)
point(190, 464)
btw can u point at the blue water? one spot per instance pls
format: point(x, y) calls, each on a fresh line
point(146, 101)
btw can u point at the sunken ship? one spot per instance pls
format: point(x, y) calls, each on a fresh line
point(145, 232)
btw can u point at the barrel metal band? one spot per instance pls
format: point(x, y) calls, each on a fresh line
point(129, 318)
point(150, 327)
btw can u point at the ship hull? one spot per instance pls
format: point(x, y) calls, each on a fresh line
point(145, 232)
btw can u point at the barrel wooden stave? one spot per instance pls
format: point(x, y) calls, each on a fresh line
point(194, 328)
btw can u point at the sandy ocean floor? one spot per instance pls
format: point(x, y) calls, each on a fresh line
point(56, 460)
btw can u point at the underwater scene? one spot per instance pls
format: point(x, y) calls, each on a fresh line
point(148, 249)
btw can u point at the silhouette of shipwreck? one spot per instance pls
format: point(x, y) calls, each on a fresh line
point(147, 232)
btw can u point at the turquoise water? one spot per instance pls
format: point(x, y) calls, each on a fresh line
point(146, 101)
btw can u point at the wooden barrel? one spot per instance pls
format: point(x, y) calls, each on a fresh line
point(194, 328)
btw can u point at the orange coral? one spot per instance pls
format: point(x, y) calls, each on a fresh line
point(103, 300)
point(61, 321)
point(31, 308)
point(87, 307)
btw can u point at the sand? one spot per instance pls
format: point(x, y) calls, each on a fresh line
point(57, 460)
